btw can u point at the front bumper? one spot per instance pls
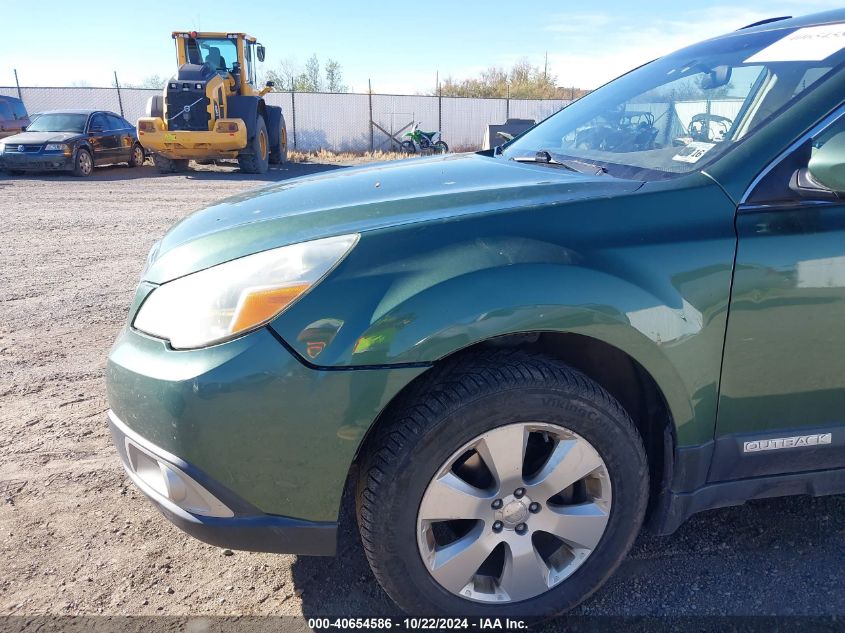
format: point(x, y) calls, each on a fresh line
point(193, 144)
point(208, 512)
point(269, 437)
point(39, 161)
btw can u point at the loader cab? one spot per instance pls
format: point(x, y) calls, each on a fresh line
point(228, 54)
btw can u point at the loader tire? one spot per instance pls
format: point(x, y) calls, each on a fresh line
point(166, 165)
point(280, 156)
point(256, 158)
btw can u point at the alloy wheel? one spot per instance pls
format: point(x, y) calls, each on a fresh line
point(85, 162)
point(514, 512)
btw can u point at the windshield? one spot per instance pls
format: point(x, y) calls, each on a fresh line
point(683, 111)
point(58, 123)
point(219, 53)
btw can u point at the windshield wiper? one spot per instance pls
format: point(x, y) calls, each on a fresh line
point(544, 158)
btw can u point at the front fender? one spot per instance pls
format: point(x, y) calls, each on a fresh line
point(649, 275)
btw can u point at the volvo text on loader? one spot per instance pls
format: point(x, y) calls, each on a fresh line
point(212, 109)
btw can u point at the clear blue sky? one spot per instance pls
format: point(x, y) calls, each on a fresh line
point(399, 45)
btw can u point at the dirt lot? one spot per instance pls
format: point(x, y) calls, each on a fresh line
point(76, 538)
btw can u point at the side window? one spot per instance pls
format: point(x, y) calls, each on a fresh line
point(18, 109)
point(99, 123)
point(116, 123)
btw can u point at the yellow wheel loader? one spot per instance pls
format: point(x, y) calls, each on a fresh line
point(211, 108)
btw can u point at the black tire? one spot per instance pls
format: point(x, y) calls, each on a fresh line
point(279, 156)
point(408, 147)
point(137, 157)
point(166, 165)
point(452, 407)
point(83, 163)
point(441, 148)
point(256, 159)
point(155, 107)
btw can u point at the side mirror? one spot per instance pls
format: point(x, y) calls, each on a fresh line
point(270, 84)
point(827, 164)
point(23, 128)
point(260, 52)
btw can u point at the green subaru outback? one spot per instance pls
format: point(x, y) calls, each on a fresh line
point(511, 361)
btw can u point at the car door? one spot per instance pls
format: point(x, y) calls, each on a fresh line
point(782, 397)
point(123, 137)
point(102, 139)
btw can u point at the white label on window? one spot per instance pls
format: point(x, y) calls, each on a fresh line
point(813, 43)
point(693, 152)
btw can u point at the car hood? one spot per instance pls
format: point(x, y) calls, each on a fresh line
point(364, 199)
point(38, 138)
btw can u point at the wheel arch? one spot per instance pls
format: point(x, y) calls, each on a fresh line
point(616, 371)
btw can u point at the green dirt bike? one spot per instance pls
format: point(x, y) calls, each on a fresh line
point(419, 141)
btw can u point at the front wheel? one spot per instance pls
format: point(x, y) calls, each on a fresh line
point(441, 148)
point(256, 160)
point(83, 166)
point(509, 484)
point(408, 147)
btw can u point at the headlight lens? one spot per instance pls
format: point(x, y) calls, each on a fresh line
point(55, 147)
point(230, 299)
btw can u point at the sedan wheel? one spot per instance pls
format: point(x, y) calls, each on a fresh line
point(84, 165)
point(537, 496)
point(137, 158)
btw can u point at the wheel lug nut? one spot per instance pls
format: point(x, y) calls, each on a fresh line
point(497, 526)
point(496, 504)
point(534, 507)
point(519, 493)
point(521, 528)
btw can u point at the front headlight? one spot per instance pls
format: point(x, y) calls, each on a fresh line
point(56, 147)
point(230, 299)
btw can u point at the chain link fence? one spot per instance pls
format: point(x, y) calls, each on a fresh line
point(337, 122)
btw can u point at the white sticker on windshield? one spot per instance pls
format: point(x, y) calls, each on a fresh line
point(813, 43)
point(693, 152)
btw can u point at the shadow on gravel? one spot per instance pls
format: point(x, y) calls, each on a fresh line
point(776, 557)
point(112, 173)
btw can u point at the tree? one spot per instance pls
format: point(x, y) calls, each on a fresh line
point(310, 80)
point(289, 75)
point(334, 77)
point(522, 81)
point(152, 81)
point(284, 76)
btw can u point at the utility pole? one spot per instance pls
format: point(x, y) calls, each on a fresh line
point(119, 99)
point(546, 68)
point(439, 102)
point(17, 83)
point(370, 91)
point(293, 108)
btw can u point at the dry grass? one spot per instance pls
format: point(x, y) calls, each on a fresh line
point(326, 156)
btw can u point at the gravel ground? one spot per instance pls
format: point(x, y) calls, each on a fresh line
point(76, 538)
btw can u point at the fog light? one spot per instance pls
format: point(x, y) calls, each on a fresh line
point(165, 482)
